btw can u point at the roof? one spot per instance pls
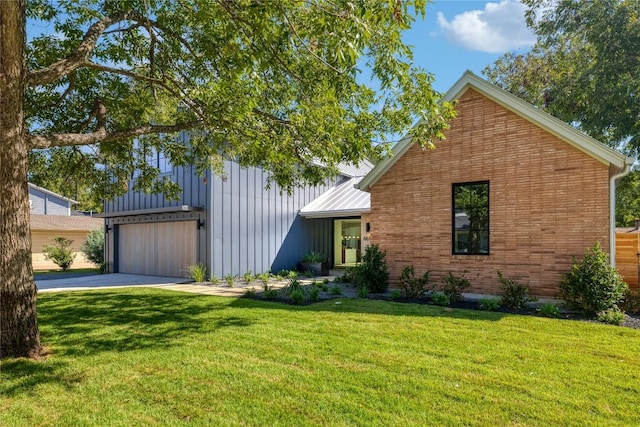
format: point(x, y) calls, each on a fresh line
point(557, 127)
point(350, 170)
point(340, 201)
point(51, 193)
point(65, 223)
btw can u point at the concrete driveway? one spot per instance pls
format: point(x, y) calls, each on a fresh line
point(103, 281)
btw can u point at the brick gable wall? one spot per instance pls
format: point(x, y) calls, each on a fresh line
point(548, 201)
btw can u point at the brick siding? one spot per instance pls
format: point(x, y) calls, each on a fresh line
point(548, 201)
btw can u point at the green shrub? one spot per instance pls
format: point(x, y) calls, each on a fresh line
point(214, 280)
point(250, 293)
point(489, 304)
point(325, 281)
point(395, 294)
point(373, 272)
point(60, 252)
point(230, 279)
point(440, 299)
point(294, 285)
point(631, 302)
point(314, 294)
point(513, 293)
point(269, 292)
point(297, 296)
point(313, 257)
point(611, 315)
point(453, 286)
point(363, 292)
point(336, 290)
point(93, 248)
point(413, 287)
point(549, 310)
point(197, 272)
point(264, 278)
point(307, 273)
point(248, 276)
point(593, 285)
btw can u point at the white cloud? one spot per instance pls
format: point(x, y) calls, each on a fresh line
point(498, 28)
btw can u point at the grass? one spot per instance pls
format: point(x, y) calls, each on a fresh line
point(42, 274)
point(152, 357)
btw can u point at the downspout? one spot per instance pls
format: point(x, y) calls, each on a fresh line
point(209, 229)
point(612, 210)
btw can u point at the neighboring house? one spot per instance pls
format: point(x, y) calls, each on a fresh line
point(45, 202)
point(511, 188)
point(232, 225)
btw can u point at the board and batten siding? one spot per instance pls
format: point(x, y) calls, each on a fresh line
point(47, 204)
point(246, 227)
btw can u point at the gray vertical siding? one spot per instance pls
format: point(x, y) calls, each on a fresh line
point(43, 203)
point(247, 227)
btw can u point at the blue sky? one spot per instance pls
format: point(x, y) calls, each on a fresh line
point(459, 35)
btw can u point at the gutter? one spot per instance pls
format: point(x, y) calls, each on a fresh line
point(612, 208)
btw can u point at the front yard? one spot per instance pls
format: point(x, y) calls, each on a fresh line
point(153, 357)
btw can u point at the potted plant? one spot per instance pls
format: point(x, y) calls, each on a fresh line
point(316, 263)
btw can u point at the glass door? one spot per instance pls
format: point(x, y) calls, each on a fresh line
point(347, 242)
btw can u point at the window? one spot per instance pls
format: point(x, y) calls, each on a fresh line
point(471, 218)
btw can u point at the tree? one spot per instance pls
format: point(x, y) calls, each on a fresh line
point(583, 69)
point(272, 84)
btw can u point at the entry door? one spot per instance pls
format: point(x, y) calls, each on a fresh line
point(157, 248)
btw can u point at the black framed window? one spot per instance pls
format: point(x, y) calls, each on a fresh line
point(470, 218)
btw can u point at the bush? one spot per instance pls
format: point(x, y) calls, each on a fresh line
point(452, 286)
point(373, 272)
point(297, 296)
point(631, 303)
point(440, 299)
point(549, 310)
point(314, 294)
point(197, 272)
point(412, 286)
point(363, 292)
point(93, 248)
point(60, 252)
point(593, 285)
point(489, 304)
point(514, 294)
point(612, 316)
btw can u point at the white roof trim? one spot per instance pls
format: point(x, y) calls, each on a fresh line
point(51, 193)
point(557, 127)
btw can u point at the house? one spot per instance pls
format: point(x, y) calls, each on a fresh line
point(233, 225)
point(511, 189)
point(45, 202)
point(51, 217)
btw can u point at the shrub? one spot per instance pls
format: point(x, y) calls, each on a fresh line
point(611, 315)
point(549, 310)
point(593, 285)
point(230, 279)
point(250, 293)
point(440, 299)
point(269, 292)
point(453, 286)
point(489, 304)
point(314, 294)
point(313, 257)
point(631, 303)
point(214, 280)
point(93, 248)
point(373, 272)
point(413, 287)
point(294, 285)
point(60, 252)
point(363, 292)
point(395, 294)
point(248, 276)
point(297, 296)
point(514, 294)
point(264, 277)
point(336, 290)
point(197, 272)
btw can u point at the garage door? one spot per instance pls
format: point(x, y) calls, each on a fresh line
point(157, 248)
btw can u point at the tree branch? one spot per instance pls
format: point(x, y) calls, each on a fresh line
point(74, 61)
point(101, 135)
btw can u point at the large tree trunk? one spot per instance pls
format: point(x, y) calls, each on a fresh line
point(19, 335)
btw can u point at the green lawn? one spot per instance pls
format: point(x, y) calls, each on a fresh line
point(137, 357)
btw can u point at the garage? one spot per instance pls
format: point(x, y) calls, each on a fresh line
point(157, 248)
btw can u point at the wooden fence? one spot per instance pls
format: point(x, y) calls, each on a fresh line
point(628, 257)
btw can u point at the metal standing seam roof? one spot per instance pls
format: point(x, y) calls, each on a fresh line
point(340, 201)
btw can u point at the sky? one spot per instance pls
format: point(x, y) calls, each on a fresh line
point(460, 35)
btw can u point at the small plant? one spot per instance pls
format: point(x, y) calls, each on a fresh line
point(440, 299)
point(248, 276)
point(489, 304)
point(307, 273)
point(413, 287)
point(373, 272)
point(93, 248)
point(631, 303)
point(612, 316)
point(313, 257)
point(214, 280)
point(453, 286)
point(293, 286)
point(514, 294)
point(395, 294)
point(593, 285)
point(197, 272)
point(363, 292)
point(230, 279)
point(549, 310)
point(324, 287)
point(336, 290)
point(269, 292)
point(264, 278)
point(60, 252)
point(297, 296)
point(250, 293)
point(314, 294)
point(325, 281)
